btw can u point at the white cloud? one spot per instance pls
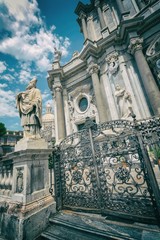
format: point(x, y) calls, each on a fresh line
point(43, 64)
point(25, 43)
point(2, 67)
point(7, 77)
point(3, 85)
point(11, 69)
point(25, 76)
point(45, 95)
point(7, 104)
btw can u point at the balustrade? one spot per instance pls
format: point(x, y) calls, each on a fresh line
point(6, 174)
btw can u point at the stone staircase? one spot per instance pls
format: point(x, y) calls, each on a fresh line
point(69, 225)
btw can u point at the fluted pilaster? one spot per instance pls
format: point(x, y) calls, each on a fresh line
point(60, 111)
point(93, 70)
point(100, 15)
point(84, 25)
point(149, 83)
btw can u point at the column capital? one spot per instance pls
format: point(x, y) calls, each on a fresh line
point(93, 68)
point(135, 44)
point(57, 87)
point(82, 15)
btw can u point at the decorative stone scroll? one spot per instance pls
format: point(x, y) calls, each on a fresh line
point(154, 47)
point(113, 64)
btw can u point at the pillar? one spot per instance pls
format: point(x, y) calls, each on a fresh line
point(120, 6)
point(60, 111)
point(100, 15)
point(67, 113)
point(84, 26)
point(140, 3)
point(149, 83)
point(93, 71)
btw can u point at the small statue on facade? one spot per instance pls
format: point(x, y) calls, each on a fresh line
point(124, 102)
point(57, 55)
point(29, 105)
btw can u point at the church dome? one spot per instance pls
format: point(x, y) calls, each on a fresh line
point(48, 116)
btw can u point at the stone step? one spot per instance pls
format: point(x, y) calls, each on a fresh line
point(69, 225)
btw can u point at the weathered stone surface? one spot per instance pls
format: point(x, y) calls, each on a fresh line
point(24, 214)
point(28, 228)
point(78, 226)
point(28, 143)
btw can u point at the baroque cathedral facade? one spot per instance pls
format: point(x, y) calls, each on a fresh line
point(116, 75)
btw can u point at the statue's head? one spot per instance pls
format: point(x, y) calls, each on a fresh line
point(32, 83)
point(117, 87)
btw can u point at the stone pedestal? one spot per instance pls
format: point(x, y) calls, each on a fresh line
point(29, 143)
point(26, 212)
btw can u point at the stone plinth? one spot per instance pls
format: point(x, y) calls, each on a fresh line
point(28, 208)
point(29, 143)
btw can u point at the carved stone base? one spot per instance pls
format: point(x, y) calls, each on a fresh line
point(26, 221)
point(29, 143)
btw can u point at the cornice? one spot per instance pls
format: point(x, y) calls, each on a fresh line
point(107, 41)
point(90, 49)
point(127, 26)
point(150, 22)
point(56, 72)
point(81, 7)
point(74, 70)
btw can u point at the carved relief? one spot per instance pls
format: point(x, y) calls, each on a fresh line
point(81, 104)
point(93, 68)
point(113, 63)
point(19, 180)
point(71, 109)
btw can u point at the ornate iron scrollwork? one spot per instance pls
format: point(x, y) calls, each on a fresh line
point(104, 168)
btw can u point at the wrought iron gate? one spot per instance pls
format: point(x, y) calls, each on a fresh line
point(105, 168)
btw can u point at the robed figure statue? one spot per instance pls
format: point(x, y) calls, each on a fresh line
point(124, 102)
point(29, 104)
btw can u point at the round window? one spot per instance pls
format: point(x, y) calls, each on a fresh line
point(83, 104)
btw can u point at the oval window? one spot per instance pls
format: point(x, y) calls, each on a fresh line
point(83, 104)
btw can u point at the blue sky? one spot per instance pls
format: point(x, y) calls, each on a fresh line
point(29, 31)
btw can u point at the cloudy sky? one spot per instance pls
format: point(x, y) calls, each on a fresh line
point(29, 31)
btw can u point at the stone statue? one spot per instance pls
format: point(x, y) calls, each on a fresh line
point(29, 104)
point(57, 55)
point(124, 102)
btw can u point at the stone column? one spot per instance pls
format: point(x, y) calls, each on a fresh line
point(120, 6)
point(140, 3)
point(93, 71)
point(67, 113)
point(60, 111)
point(149, 83)
point(101, 18)
point(84, 25)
